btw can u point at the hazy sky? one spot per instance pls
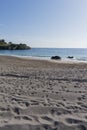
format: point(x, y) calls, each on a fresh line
point(44, 23)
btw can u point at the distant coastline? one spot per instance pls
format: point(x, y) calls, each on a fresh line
point(12, 46)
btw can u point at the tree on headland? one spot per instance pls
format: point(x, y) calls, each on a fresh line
point(2, 40)
point(12, 46)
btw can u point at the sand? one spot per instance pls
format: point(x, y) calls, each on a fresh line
point(42, 95)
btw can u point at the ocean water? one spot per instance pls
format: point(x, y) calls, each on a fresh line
point(46, 53)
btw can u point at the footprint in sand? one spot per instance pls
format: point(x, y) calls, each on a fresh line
point(26, 118)
point(85, 117)
point(46, 118)
point(81, 127)
point(16, 110)
point(72, 121)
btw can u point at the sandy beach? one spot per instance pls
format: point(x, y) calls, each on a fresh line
point(42, 95)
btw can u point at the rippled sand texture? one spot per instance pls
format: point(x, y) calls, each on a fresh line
point(42, 95)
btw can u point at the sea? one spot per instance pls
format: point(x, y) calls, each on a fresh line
point(79, 54)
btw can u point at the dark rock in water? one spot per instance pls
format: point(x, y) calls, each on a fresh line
point(56, 57)
point(70, 57)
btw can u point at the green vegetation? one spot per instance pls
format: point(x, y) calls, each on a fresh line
point(12, 46)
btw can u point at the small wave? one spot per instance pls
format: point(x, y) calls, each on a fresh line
point(82, 59)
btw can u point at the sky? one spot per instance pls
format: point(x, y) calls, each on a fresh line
point(44, 23)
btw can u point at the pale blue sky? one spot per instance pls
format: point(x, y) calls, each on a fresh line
point(44, 23)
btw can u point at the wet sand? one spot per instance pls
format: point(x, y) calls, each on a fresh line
point(42, 95)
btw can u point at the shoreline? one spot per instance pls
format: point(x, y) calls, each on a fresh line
point(63, 60)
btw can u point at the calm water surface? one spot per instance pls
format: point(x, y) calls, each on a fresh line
point(78, 53)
